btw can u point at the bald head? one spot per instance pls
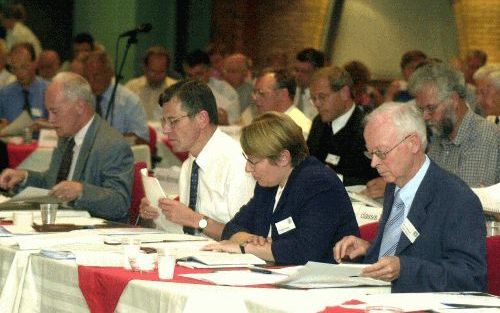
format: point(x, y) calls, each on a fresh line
point(49, 64)
point(236, 67)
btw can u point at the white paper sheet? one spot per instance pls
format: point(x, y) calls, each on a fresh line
point(223, 258)
point(34, 194)
point(17, 126)
point(489, 197)
point(237, 278)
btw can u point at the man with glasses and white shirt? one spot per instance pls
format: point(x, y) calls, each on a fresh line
point(213, 184)
point(431, 236)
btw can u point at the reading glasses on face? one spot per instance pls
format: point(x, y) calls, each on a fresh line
point(383, 154)
point(252, 163)
point(171, 121)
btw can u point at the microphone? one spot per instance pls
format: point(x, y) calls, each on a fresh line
point(144, 28)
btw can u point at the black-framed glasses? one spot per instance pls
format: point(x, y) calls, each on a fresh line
point(171, 121)
point(252, 163)
point(383, 154)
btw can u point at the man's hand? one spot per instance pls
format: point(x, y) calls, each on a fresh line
point(351, 247)
point(10, 178)
point(146, 211)
point(67, 190)
point(223, 246)
point(375, 188)
point(178, 213)
point(386, 269)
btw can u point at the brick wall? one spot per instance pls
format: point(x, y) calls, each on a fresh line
point(478, 26)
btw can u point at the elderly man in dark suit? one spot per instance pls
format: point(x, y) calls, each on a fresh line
point(432, 230)
point(92, 165)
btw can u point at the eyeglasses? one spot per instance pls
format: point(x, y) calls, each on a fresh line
point(431, 108)
point(382, 155)
point(252, 163)
point(320, 97)
point(171, 121)
point(261, 92)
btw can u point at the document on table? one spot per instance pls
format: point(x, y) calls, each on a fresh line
point(237, 278)
point(33, 194)
point(489, 197)
point(17, 126)
point(154, 193)
point(355, 194)
point(222, 258)
point(323, 275)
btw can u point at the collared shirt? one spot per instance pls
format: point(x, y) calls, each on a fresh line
point(341, 121)
point(128, 115)
point(300, 119)
point(12, 99)
point(408, 191)
point(79, 137)
point(308, 107)
point(474, 154)
point(223, 185)
point(149, 95)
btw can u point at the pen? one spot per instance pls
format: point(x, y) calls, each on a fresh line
point(260, 270)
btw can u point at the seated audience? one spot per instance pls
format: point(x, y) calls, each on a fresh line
point(213, 184)
point(462, 142)
point(151, 85)
point(432, 232)
point(307, 62)
point(299, 208)
point(236, 72)
point(197, 66)
point(27, 93)
point(364, 95)
point(487, 80)
point(49, 64)
point(125, 114)
point(473, 61)
point(92, 166)
point(274, 91)
point(398, 89)
point(13, 17)
point(336, 136)
point(6, 77)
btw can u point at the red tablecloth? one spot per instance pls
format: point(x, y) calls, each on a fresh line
point(19, 152)
point(102, 286)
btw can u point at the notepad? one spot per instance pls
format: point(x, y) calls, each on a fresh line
point(224, 259)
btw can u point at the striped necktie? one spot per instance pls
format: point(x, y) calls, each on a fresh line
point(392, 230)
point(193, 194)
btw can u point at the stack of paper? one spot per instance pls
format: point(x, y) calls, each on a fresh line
point(489, 197)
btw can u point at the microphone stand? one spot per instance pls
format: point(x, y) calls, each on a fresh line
point(118, 75)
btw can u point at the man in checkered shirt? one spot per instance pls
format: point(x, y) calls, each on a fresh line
point(462, 142)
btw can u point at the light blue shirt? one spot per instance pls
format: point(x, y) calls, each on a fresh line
point(128, 115)
point(407, 193)
point(12, 99)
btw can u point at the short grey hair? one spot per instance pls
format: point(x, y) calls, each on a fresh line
point(407, 119)
point(494, 79)
point(444, 77)
point(74, 87)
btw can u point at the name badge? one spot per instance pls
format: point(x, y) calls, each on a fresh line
point(409, 230)
point(36, 112)
point(332, 159)
point(285, 225)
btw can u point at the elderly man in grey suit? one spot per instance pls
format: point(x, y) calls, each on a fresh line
point(92, 166)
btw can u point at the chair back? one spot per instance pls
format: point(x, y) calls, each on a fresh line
point(137, 192)
point(493, 261)
point(368, 231)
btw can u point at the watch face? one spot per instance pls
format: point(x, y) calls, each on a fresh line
point(202, 223)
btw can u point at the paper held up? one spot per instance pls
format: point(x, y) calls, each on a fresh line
point(489, 197)
point(154, 192)
point(17, 126)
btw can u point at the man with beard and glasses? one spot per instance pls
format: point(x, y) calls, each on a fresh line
point(462, 142)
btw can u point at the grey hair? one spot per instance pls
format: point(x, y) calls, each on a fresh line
point(441, 75)
point(406, 117)
point(484, 71)
point(74, 87)
point(494, 79)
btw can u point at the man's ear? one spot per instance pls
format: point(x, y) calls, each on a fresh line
point(202, 118)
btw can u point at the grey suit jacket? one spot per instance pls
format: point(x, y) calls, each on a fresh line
point(104, 167)
point(450, 252)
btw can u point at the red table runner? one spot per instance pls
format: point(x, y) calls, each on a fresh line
point(102, 286)
point(18, 152)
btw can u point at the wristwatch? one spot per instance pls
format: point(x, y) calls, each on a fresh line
point(202, 223)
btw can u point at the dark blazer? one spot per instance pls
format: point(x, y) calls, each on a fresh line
point(450, 252)
point(348, 144)
point(317, 202)
point(104, 167)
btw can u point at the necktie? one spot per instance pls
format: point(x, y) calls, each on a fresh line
point(497, 120)
point(98, 100)
point(392, 230)
point(65, 165)
point(300, 103)
point(26, 105)
point(193, 194)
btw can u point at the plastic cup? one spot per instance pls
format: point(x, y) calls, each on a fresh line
point(166, 264)
point(492, 228)
point(48, 212)
point(131, 247)
point(22, 219)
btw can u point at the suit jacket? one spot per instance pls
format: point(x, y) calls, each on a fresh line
point(317, 202)
point(450, 252)
point(104, 167)
point(348, 144)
